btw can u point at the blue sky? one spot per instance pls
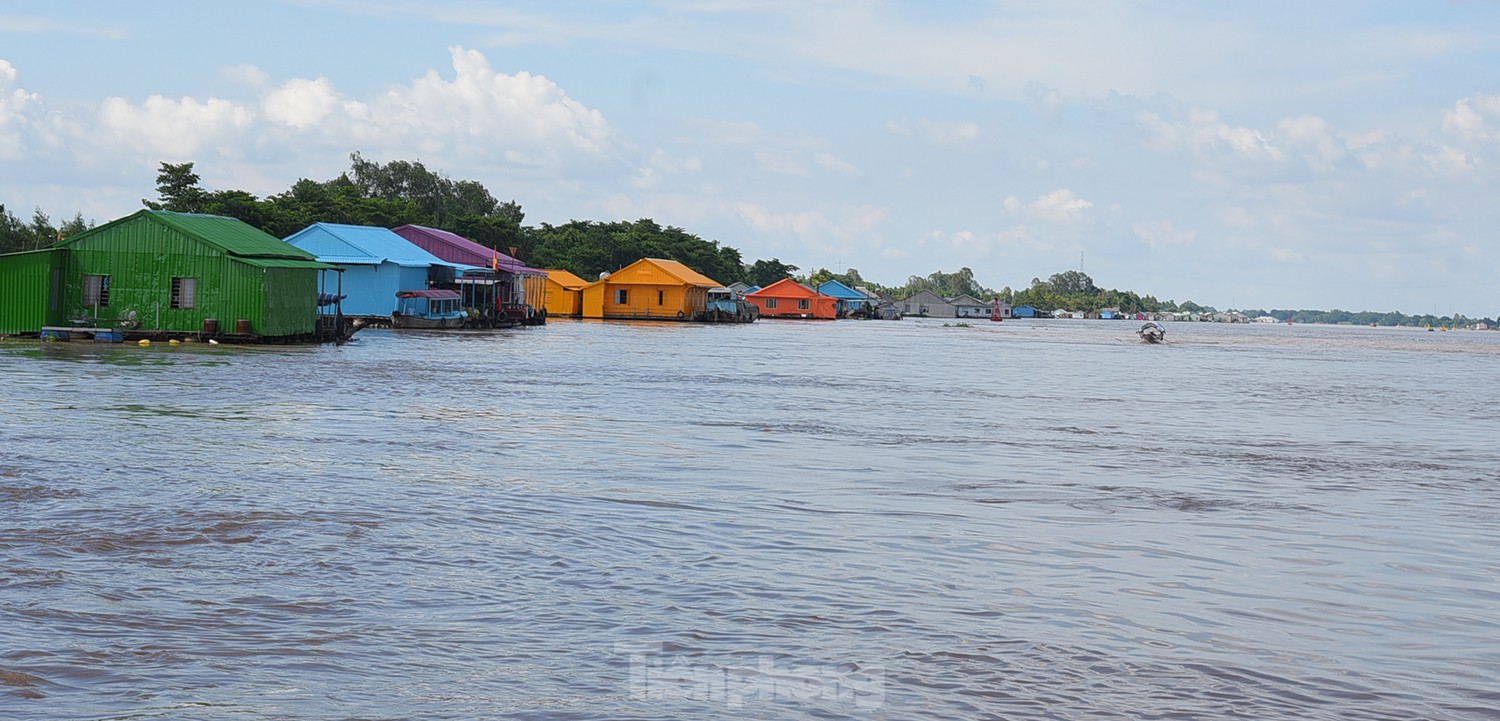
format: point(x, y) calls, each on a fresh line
point(1269, 154)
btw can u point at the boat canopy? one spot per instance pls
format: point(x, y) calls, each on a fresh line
point(434, 293)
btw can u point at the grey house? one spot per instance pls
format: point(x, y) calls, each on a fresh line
point(928, 304)
point(967, 306)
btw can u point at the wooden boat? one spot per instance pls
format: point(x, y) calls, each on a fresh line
point(429, 308)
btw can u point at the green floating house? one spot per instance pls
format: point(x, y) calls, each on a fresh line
point(159, 271)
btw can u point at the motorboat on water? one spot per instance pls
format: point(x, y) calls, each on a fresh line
point(1152, 332)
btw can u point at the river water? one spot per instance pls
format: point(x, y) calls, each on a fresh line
point(1034, 519)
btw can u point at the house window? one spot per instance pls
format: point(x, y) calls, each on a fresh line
point(802, 304)
point(661, 297)
point(95, 290)
point(622, 296)
point(770, 304)
point(184, 292)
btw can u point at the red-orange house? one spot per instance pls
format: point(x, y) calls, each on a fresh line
point(787, 298)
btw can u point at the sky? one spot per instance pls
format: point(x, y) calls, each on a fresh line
point(1236, 154)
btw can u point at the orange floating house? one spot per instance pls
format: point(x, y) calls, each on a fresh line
point(649, 289)
point(564, 293)
point(787, 298)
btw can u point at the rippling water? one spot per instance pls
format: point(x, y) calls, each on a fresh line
point(781, 520)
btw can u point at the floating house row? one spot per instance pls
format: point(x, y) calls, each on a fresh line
point(158, 271)
point(648, 289)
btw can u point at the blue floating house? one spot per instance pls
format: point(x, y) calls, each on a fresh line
point(377, 264)
point(1025, 311)
point(850, 301)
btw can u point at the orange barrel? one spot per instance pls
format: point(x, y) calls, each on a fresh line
point(242, 326)
point(210, 325)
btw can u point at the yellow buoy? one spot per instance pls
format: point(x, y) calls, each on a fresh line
point(144, 343)
point(174, 341)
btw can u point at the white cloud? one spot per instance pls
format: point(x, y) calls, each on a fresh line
point(18, 109)
point(1162, 234)
point(946, 133)
point(246, 74)
point(305, 104)
point(1202, 131)
point(162, 128)
point(850, 230)
point(1472, 118)
point(828, 161)
point(1451, 161)
point(477, 117)
point(1058, 206)
point(968, 244)
point(1322, 148)
point(663, 165)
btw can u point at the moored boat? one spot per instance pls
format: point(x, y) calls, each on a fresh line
point(429, 308)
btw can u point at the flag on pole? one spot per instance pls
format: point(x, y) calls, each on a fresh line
point(494, 259)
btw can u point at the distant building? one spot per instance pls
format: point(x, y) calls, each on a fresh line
point(967, 306)
point(928, 304)
point(850, 301)
point(789, 299)
point(1026, 311)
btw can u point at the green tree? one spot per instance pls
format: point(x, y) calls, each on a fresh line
point(177, 189)
point(766, 272)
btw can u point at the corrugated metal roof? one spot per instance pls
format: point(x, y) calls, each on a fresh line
point(230, 235)
point(361, 245)
point(682, 272)
point(839, 290)
point(455, 248)
point(784, 288)
point(566, 279)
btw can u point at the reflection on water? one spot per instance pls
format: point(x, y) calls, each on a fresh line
point(779, 520)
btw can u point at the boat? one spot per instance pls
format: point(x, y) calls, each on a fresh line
point(1152, 332)
point(429, 308)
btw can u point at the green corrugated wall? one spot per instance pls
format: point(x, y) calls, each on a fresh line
point(287, 291)
point(31, 291)
point(142, 257)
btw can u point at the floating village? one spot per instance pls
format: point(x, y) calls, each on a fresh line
point(159, 275)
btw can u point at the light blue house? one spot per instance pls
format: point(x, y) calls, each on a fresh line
point(1026, 311)
point(849, 299)
point(377, 264)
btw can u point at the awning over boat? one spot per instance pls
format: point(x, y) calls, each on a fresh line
point(435, 293)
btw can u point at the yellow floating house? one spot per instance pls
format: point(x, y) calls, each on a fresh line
point(564, 293)
point(649, 288)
